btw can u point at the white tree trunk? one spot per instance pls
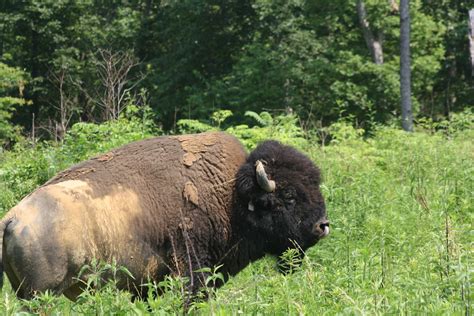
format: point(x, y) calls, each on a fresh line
point(374, 43)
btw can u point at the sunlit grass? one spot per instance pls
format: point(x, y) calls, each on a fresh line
point(401, 211)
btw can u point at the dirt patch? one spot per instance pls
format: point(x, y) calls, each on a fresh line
point(191, 193)
point(106, 157)
point(193, 149)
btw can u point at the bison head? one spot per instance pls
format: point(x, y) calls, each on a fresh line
point(279, 197)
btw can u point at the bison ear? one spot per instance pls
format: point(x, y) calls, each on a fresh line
point(246, 183)
point(251, 206)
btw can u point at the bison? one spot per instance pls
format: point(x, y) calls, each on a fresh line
point(163, 206)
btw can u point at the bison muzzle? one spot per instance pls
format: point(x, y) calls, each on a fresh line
point(163, 206)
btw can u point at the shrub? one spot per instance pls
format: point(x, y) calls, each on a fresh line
point(284, 128)
point(400, 206)
point(29, 165)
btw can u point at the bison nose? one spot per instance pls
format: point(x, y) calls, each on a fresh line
point(321, 228)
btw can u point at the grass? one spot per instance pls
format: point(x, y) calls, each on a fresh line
point(401, 211)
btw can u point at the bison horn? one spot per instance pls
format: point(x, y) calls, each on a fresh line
point(262, 178)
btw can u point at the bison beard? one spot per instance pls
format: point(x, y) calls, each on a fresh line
point(168, 205)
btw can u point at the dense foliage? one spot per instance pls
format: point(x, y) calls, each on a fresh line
point(10, 79)
point(195, 57)
point(401, 232)
point(78, 78)
point(30, 164)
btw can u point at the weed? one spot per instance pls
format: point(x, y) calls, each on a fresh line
point(401, 237)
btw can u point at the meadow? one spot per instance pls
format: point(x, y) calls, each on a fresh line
point(401, 210)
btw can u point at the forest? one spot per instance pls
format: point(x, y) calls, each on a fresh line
point(79, 78)
point(63, 62)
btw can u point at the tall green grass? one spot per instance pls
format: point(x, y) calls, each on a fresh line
point(401, 211)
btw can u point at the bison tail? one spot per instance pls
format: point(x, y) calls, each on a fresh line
point(3, 226)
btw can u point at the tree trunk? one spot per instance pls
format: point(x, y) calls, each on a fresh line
point(405, 72)
point(374, 43)
point(35, 72)
point(471, 39)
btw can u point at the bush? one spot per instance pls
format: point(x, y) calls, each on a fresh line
point(400, 206)
point(11, 79)
point(29, 165)
point(284, 128)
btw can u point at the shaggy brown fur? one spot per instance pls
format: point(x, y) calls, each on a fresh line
point(168, 205)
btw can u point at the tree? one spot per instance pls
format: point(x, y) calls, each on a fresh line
point(65, 103)
point(326, 60)
point(405, 72)
point(452, 87)
point(114, 69)
point(471, 39)
point(186, 44)
point(374, 42)
point(11, 79)
point(44, 37)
